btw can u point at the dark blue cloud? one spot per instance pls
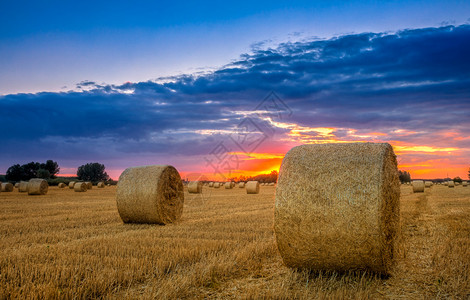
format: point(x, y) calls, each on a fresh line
point(411, 79)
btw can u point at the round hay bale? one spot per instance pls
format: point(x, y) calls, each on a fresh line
point(271, 184)
point(233, 184)
point(451, 184)
point(241, 185)
point(195, 187)
point(89, 185)
point(7, 187)
point(350, 223)
point(228, 185)
point(23, 187)
point(71, 184)
point(17, 185)
point(100, 185)
point(216, 185)
point(211, 184)
point(464, 183)
point(80, 187)
point(37, 186)
point(61, 185)
point(150, 194)
point(418, 186)
point(252, 187)
point(428, 184)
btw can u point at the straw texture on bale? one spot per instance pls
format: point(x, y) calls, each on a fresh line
point(195, 187)
point(89, 185)
point(211, 184)
point(150, 194)
point(100, 185)
point(216, 185)
point(428, 184)
point(252, 187)
point(71, 184)
point(450, 184)
point(464, 183)
point(80, 187)
point(228, 185)
point(241, 185)
point(7, 187)
point(23, 187)
point(418, 186)
point(61, 185)
point(350, 223)
point(37, 186)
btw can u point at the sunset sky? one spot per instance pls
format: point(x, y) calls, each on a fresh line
point(214, 88)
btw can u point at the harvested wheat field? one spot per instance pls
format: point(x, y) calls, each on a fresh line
point(65, 244)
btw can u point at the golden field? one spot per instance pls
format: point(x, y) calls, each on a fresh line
point(74, 245)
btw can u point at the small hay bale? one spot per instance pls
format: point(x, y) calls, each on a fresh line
point(228, 185)
point(23, 187)
point(150, 194)
point(233, 184)
point(428, 184)
point(464, 183)
point(61, 185)
point(451, 184)
point(241, 185)
point(271, 184)
point(71, 184)
point(216, 185)
point(211, 184)
point(100, 185)
point(7, 187)
point(37, 186)
point(195, 187)
point(17, 185)
point(418, 186)
point(252, 187)
point(80, 187)
point(348, 224)
point(89, 185)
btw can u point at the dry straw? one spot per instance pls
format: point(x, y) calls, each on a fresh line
point(418, 186)
point(23, 187)
point(80, 187)
point(211, 184)
point(89, 185)
point(195, 187)
point(37, 186)
point(351, 222)
point(71, 184)
point(450, 184)
point(464, 183)
point(241, 185)
point(216, 185)
point(150, 194)
point(61, 185)
point(7, 187)
point(428, 184)
point(17, 185)
point(252, 187)
point(100, 185)
point(228, 185)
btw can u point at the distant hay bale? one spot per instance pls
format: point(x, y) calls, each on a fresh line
point(271, 184)
point(228, 185)
point(89, 185)
point(150, 194)
point(241, 185)
point(71, 184)
point(100, 185)
point(61, 185)
point(252, 187)
point(23, 187)
point(17, 185)
point(7, 187)
point(337, 207)
point(37, 186)
point(451, 184)
point(428, 184)
point(464, 183)
point(80, 187)
point(195, 187)
point(211, 184)
point(418, 186)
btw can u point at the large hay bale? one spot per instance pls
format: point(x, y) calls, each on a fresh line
point(241, 185)
point(89, 185)
point(351, 222)
point(23, 187)
point(428, 184)
point(195, 187)
point(80, 187)
point(7, 187)
point(100, 185)
point(228, 185)
point(37, 186)
point(451, 184)
point(61, 185)
point(150, 194)
point(418, 186)
point(71, 184)
point(216, 185)
point(211, 184)
point(252, 187)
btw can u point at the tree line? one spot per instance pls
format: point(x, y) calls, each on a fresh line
point(88, 172)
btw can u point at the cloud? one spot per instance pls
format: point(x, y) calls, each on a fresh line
point(413, 80)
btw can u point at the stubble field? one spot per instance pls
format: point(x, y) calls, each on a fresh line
point(74, 245)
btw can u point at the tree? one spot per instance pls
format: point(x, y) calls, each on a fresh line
point(43, 173)
point(31, 170)
point(468, 173)
point(404, 176)
point(457, 179)
point(52, 167)
point(92, 172)
point(14, 173)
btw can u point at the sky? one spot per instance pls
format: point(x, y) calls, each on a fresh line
point(223, 89)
